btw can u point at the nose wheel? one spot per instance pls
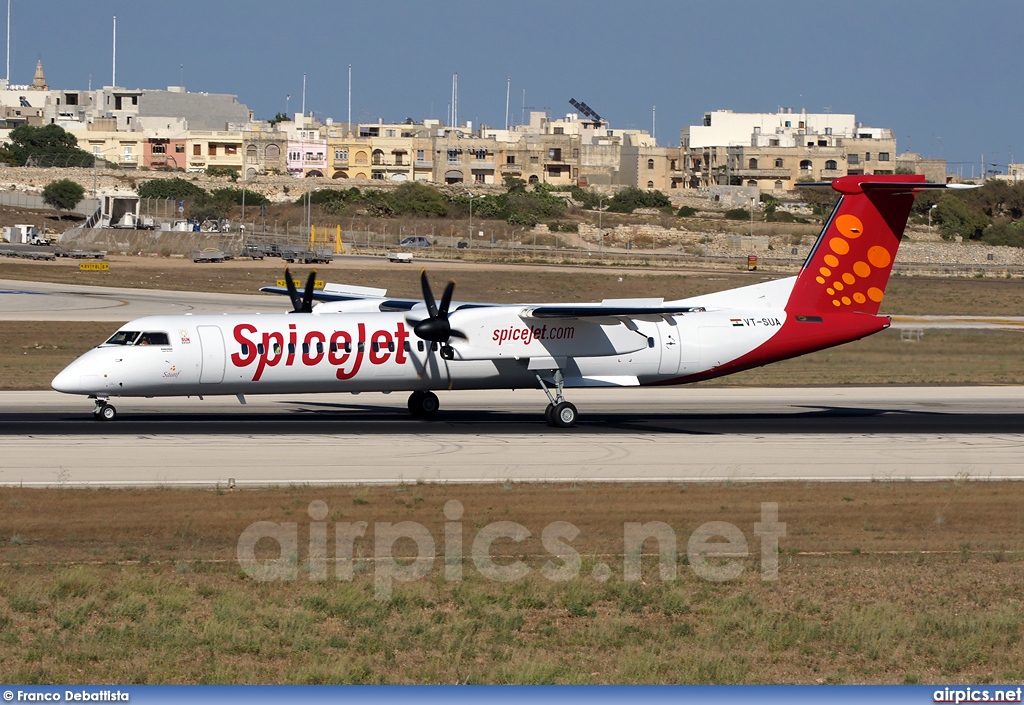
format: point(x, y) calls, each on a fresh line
point(104, 411)
point(559, 412)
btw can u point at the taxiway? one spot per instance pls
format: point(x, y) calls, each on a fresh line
point(675, 434)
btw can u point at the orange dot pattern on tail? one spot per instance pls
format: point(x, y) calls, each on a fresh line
point(849, 266)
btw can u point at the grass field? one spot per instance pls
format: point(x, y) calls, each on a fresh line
point(878, 582)
point(499, 283)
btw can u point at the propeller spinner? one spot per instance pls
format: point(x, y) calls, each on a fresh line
point(436, 327)
point(304, 303)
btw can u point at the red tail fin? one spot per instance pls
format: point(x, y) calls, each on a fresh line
point(849, 267)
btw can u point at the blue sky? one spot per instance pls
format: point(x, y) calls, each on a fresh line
point(945, 75)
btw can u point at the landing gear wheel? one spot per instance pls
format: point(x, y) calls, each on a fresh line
point(423, 404)
point(549, 414)
point(105, 412)
point(564, 415)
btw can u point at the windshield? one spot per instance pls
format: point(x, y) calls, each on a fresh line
point(123, 337)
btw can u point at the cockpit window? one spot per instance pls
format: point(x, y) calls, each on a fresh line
point(153, 339)
point(123, 337)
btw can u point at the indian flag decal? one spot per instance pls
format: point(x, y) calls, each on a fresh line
point(737, 322)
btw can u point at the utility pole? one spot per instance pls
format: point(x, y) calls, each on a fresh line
point(303, 99)
point(350, 97)
point(113, 73)
point(508, 89)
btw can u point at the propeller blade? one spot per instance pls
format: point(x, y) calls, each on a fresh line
point(293, 294)
point(446, 299)
point(428, 295)
point(307, 296)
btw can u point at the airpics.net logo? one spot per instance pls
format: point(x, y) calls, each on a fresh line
point(715, 551)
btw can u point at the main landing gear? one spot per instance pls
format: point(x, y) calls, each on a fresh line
point(104, 411)
point(559, 413)
point(423, 404)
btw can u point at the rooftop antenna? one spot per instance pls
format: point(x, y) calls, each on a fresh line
point(350, 97)
point(303, 98)
point(113, 72)
point(8, 43)
point(522, 116)
point(654, 123)
point(508, 89)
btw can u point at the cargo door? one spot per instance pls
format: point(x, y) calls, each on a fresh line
point(211, 340)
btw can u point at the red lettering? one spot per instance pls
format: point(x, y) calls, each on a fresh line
point(247, 345)
point(272, 354)
point(311, 355)
point(291, 344)
point(401, 336)
point(340, 344)
point(379, 351)
point(341, 374)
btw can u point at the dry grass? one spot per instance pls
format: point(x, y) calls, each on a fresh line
point(845, 609)
point(506, 283)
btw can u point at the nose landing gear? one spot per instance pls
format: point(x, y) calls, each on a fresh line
point(104, 411)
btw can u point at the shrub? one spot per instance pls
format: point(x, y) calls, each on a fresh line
point(628, 200)
point(176, 188)
point(1006, 234)
point(413, 198)
point(737, 214)
point(686, 212)
point(222, 171)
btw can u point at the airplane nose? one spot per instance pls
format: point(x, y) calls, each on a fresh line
point(68, 380)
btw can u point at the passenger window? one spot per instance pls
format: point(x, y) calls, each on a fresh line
point(334, 347)
point(376, 346)
point(362, 346)
point(291, 348)
point(305, 348)
point(277, 348)
point(319, 348)
point(245, 350)
point(260, 349)
point(419, 345)
point(391, 346)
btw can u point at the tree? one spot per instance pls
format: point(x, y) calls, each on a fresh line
point(957, 218)
point(50, 145)
point(414, 198)
point(63, 195)
point(280, 117)
point(176, 188)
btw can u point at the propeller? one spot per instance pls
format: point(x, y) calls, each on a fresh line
point(436, 328)
point(304, 303)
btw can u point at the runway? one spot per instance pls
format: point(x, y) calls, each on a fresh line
point(43, 301)
point(664, 434)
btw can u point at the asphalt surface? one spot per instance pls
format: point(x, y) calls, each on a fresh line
point(684, 434)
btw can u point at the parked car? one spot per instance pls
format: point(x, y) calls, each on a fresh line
point(415, 241)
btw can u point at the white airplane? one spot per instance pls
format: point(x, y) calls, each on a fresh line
point(359, 340)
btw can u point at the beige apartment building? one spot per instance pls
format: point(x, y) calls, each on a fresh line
point(773, 151)
point(214, 148)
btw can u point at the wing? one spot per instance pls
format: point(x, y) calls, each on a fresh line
point(369, 297)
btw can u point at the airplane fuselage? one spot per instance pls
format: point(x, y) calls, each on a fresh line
point(357, 352)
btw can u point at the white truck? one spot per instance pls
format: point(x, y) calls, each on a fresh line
point(23, 234)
